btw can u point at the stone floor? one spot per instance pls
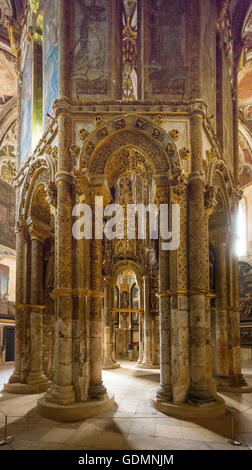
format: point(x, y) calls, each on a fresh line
point(132, 424)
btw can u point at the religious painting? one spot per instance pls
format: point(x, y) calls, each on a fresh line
point(245, 161)
point(90, 50)
point(168, 47)
point(26, 107)
point(208, 65)
point(245, 279)
point(51, 57)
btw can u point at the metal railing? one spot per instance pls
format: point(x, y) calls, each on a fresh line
point(7, 439)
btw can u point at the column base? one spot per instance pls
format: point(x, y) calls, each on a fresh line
point(26, 389)
point(97, 391)
point(77, 411)
point(186, 410)
point(15, 378)
point(110, 365)
point(61, 395)
point(147, 365)
point(198, 397)
point(163, 394)
point(34, 378)
point(234, 384)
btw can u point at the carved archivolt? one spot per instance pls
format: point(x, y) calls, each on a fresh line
point(142, 134)
point(128, 160)
point(219, 179)
point(40, 173)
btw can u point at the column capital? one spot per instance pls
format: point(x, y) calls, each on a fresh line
point(100, 187)
point(38, 231)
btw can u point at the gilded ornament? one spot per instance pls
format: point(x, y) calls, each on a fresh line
point(159, 119)
point(185, 153)
point(170, 149)
point(98, 120)
point(156, 133)
point(90, 148)
point(140, 123)
point(120, 124)
point(102, 133)
point(174, 134)
point(55, 152)
point(74, 150)
point(83, 134)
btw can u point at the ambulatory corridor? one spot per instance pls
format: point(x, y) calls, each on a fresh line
point(132, 423)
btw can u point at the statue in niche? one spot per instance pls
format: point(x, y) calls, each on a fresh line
point(89, 53)
point(49, 269)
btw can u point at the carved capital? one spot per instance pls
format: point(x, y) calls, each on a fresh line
point(38, 231)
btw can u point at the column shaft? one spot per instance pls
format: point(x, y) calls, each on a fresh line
point(200, 381)
point(35, 374)
point(19, 338)
point(222, 362)
point(147, 361)
point(96, 387)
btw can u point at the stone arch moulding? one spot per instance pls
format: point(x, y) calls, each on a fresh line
point(132, 130)
point(40, 172)
point(218, 177)
point(129, 265)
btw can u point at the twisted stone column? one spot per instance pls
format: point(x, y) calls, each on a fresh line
point(35, 375)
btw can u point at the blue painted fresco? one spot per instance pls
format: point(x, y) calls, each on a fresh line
point(26, 107)
point(51, 57)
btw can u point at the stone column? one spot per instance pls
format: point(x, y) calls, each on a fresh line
point(141, 325)
point(147, 362)
point(238, 378)
point(16, 376)
point(96, 388)
point(107, 328)
point(164, 392)
point(113, 334)
point(140, 342)
point(62, 391)
point(200, 382)
point(109, 361)
point(221, 321)
point(36, 375)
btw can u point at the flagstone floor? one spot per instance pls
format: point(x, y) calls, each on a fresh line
point(131, 424)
